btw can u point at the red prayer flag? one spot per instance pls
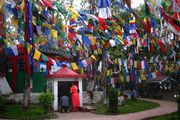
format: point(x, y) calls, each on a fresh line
point(46, 3)
point(88, 61)
point(102, 24)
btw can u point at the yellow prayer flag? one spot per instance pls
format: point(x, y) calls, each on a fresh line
point(99, 51)
point(103, 43)
point(82, 71)
point(29, 47)
point(5, 41)
point(120, 19)
point(166, 67)
point(73, 16)
point(132, 42)
point(79, 47)
point(46, 25)
point(93, 57)
point(40, 8)
point(119, 92)
point(22, 5)
point(120, 39)
point(73, 11)
point(74, 66)
point(117, 29)
point(37, 55)
point(143, 76)
point(1, 3)
point(34, 20)
point(145, 19)
point(63, 28)
point(93, 40)
point(122, 78)
point(116, 26)
point(14, 22)
point(108, 72)
point(54, 33)
point(135, 64)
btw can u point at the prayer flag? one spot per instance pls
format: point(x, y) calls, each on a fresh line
point(88, 61)
point(29, 47)
point(84, 63)
point(44, 58)
point(93, 57)
point(54, 33)
point(1, 3)
point(74, 66)
point(37, 55)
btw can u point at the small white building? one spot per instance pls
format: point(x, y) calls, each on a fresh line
point(64, 75)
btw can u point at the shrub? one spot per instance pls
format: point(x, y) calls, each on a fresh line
point(113, 100)
point(178, 99)
point(2, 103)
point(46, 100)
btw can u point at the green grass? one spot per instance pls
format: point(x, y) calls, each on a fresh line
point(173, 116)
point(13, 111)
point(129, 107)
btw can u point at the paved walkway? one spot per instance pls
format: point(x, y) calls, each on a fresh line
point(166, 107)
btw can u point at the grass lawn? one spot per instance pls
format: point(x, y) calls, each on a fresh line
point(173, 116)
point(16, 111)
point(129, 107)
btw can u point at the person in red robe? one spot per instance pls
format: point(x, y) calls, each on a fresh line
point(75, 97)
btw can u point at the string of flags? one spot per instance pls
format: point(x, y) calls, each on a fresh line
point(60, 29)
point(74, 65)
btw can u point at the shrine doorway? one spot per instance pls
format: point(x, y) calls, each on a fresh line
point(64, 89)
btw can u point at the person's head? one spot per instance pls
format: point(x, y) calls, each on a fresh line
point(73, 83)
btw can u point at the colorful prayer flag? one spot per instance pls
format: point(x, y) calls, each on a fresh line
point(74, 66)
point(93, 57)
point(29, 47)
point(37, 55)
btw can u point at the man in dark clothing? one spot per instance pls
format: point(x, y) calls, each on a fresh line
point(64, 103)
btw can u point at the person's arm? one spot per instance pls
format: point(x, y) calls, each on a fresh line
point(71, 90)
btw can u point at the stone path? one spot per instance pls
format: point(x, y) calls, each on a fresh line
point(166, 107)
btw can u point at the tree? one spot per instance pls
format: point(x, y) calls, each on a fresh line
point(28, 68)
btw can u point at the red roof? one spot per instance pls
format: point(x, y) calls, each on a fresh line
point(65, 72)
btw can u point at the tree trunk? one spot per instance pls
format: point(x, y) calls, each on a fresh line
point(26, 94)
point(104, 80)
point(105, 99)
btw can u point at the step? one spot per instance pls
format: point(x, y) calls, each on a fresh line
point(87, 108)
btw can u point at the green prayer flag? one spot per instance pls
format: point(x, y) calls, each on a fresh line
point(44, 57)
point(59, 23)
point(39, 22)
point(35, 40)
point(108, 22)
point(63, 35)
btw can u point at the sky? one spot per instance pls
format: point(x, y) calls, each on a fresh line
point(135, 3)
